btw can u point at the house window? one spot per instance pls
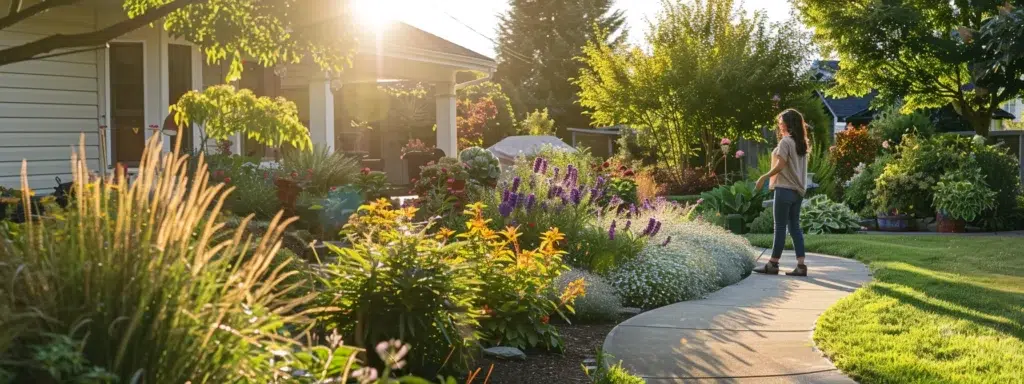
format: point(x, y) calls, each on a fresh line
point(263, 82)
point(179, 77)
point(127, 102)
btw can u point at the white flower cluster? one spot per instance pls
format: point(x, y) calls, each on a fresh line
point(600, 302)
point(698, 259)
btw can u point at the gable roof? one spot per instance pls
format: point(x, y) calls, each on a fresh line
point(849, 106)
point(405, 35)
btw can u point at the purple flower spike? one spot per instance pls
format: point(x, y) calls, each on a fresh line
point(544, 166)
point(632, 210)
point(611, 231)
point(515, 184)
point(520, 199)
point(650, 227)
point(505, 209)
point(628, 224)
point(600, 181)
point(667, 240)
point(513, 200)
point(505, 194)
point(537, 163)
point(647, 204)
point(530, 201)
point(657, 228)
point(556, 173)
point(576, 196)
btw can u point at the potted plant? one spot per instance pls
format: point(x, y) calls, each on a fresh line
point(960, 197)
point(896, 191)
point(417, 154)
point(289, 186)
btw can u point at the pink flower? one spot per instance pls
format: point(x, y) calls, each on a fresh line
point(700, 201)
point(885, 144)
point(726, 141)
point(740, 154)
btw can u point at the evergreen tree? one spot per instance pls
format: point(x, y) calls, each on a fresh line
point(539, 41)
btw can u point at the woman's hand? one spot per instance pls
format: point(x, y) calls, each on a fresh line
point(760, 182)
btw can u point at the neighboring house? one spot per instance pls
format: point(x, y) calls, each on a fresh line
point(127, 86)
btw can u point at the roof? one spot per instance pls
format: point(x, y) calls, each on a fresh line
point(405, 35)
point(612, 130)
point(849, 106)
point(511, 147)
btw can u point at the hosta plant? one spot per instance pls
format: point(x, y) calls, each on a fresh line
point(481, 164)
point(963, 194)
point(518, 295)
point(740, 198)
point(821, 215)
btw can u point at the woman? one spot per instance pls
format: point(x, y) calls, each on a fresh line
point(788, 178)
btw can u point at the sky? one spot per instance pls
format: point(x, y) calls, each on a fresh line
point(473, 23)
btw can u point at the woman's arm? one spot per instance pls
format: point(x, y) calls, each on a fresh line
point(780, 163)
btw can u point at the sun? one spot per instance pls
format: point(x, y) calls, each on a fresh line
point(375, 14)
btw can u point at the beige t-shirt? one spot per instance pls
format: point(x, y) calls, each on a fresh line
point(794, 175)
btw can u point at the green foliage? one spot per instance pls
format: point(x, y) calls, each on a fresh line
point(853, 147)
point(438, 189)
point(537, 123)
point(890, 126)
point(163, 293)
point(816, 116)
point(822, 215)
point(764, 223)
point(481, 164)
point(624, 189)
point(326, 169)
point(740, 198)
point(503, 124)
point(922, 52)
point(398, 282)
point(612, 374)
point(254, 193)
point(373, 184)
point(600, 303)
point(63, 361)
point(825, 173)
point(221, 111)
point(681, 93)
point(962, 194)
point(860, 188)
point(536, 69)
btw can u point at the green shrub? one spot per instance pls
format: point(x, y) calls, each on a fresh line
point(764, 223)
point(962, 194)
point(731, 254)
point(146, 288)
point(325, 169)
point(853, 146)
point(612, 374)
point(662, 275)
point(740, 198)
point(600, 303)
point(481, 165)
point(821, 215)
point(624, 189)
point(859, 189)
point(890, 125)
point(825, 175)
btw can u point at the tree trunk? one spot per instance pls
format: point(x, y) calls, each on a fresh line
point(980, 121)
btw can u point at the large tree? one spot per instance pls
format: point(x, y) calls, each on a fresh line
point(712, 71)
point(270, 31)
point(538, 42)
point(927, 53)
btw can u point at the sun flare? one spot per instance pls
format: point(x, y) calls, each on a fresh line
point(375, 14)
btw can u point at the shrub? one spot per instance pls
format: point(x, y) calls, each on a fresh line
point(619, 232)
point(537, 123)
point(740, 198)
point(860, 188)
point(600, 303)
point(962, 194)
point(612, 374)
point(647, 187)
point(481, 165)
point(441, 187)
point(853, 146)
point(398, 282)
point(518, 295)
point(692, 181)
point(821, 215)
point(824, 170)
point(146, 285)
point(325, 169)
point(764, 223)
point(890, 125)
point(732, 255)
point(662, 275)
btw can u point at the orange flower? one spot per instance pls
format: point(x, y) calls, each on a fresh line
point(545, 319)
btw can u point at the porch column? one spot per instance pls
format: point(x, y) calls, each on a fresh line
point(321, 111)
point(447, 134)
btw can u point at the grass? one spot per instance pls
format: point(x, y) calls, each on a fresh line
point(941, 309)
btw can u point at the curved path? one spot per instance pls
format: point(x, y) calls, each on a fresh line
point(755, 331)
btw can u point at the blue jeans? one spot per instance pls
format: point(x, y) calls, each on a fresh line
point(787, 214)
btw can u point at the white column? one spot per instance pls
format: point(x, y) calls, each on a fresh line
point(321, 111)
point(447, 134)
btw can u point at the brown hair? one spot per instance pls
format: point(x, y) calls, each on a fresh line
point(793, 120)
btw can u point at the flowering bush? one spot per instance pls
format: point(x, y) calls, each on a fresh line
point(442, 187)
point(731, 254)
point(415, 145)
point(860, 188)
point(663, 275)
point(600, 303)
point(853, 146)
point(481, 164)
point(518, 294)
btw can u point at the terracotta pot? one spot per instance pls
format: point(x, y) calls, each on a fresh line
point(459, 185)
point(897, 223)
point(946, 224)
point(414, 161)
point(287, 193)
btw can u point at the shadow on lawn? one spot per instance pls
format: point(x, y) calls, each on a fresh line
point(999, 310)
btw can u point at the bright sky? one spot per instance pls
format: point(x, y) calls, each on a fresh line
point(482, 16)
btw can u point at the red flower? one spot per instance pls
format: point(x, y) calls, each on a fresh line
point(414, 180)
point(227, 180)
point(366, 171)
point(544, 319)
point(334, 189)
point(451, 181)
point(488, 310)
point(444, 169)
point(606, 164)
point(622, 168)
point(532, 224)
point(629, 172)
point(295, 174)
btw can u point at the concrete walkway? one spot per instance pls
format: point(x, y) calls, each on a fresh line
point(756, 331)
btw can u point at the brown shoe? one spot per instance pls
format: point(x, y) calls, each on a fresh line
point(801, 270)
point(768, 268)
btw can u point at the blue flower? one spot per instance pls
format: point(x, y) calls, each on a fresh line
point(576, 196)
point(530, 201)
point(515, 184)
point(505, 209)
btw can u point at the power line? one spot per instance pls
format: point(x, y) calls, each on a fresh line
point(510, 52)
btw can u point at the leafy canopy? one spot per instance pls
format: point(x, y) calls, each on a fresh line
point(929, 53)
point(223, 111)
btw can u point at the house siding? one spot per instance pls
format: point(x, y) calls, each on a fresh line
point(46, 105)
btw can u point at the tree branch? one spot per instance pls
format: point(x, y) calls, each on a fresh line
point(59, 41)
point(17, 15)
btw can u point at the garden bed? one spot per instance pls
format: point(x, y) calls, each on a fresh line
point(581, 342)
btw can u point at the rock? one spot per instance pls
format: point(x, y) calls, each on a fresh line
point(507, 353)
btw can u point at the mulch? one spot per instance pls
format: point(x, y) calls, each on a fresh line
point(581, 342)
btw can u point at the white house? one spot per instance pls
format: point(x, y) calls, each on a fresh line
point(128, 85)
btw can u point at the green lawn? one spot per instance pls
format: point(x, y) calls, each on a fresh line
point(942, 309)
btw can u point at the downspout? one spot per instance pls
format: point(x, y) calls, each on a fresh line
point(486, 78)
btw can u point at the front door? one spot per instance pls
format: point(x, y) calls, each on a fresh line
point(127, 102)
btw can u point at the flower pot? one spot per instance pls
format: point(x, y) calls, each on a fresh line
point(897, 223)
point(735, 224)
point(287, 192)
point(458, 185)
point(414, 161)
point(946, 224)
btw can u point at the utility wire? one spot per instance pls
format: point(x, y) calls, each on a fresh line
point(511, 53)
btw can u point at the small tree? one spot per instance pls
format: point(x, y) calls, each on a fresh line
point(537, 123)
point(472, 119)
point(221, 112)
point(504, 123)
